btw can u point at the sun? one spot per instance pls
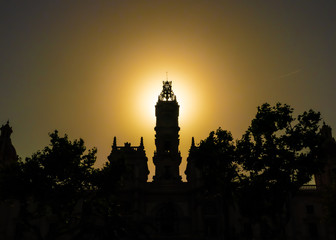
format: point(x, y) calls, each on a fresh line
point(146, 97)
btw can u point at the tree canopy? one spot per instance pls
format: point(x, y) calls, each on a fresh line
point(264, 169)
point(60, 186)
point(257, 174)
point(216, 161)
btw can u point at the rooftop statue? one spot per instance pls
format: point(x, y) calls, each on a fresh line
point(7, 150)
point(167, 93)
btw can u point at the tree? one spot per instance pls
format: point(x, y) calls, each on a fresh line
point(265, 168)
point(215, 159)
point(278, 154)
point(59, 187)
point(50, 186)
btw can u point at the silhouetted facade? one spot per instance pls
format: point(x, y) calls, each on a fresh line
point(172, 209)
point(168, 208)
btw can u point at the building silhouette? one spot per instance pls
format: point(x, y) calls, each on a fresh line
point(172, 209)
point(169, 208)
point(167, 205)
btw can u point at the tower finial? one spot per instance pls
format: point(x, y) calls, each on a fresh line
point(192, 142)
point(141, 142)
point(114, 146)
point(167, 93)
point(167, 76)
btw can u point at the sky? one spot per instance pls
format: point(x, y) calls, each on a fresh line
point(94, 69)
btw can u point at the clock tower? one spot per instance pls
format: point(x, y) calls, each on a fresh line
point(167, 157)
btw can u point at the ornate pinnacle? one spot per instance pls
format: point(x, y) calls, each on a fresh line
point(114, 146)
point(167, 93)
point(141, 142)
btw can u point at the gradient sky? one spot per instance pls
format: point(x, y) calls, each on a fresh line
point(94, 69)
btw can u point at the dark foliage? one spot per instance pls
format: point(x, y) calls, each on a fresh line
point(216, 161)
point(60, 187)
point(278, 154)
point(274, 158)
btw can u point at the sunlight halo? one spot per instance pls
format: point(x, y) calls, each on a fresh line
point(146, 96)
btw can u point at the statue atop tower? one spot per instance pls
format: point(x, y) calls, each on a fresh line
point(167, 93)
point(7, 150)
point(167, 157)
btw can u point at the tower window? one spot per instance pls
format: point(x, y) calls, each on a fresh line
point(313, 231)
point(167, 220)
point(210, 226)
point(167, 173)
point(310, 209)
point(167, 146)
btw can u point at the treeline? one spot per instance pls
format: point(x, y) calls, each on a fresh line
point(58, 194)
point(260, 173)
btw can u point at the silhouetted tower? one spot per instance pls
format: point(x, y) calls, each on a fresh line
point(167, 157)
point(7, 150)
point(134, 159)
point(328, 176)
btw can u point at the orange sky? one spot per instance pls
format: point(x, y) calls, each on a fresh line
point(94, 69)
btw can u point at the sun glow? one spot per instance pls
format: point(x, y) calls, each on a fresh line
point(146, 97)
point(136, 98)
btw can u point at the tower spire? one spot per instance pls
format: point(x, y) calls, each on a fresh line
point(141, 142)
point(7, 150)
point(167, 93)
point(114, 146)
point(167, 157)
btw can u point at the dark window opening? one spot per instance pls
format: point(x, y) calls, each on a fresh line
point(211, 229)
point(310, 209)
point(247, 230)
point(167, 146)
point(167, 173)
point(313, 231)
point(167, 220)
